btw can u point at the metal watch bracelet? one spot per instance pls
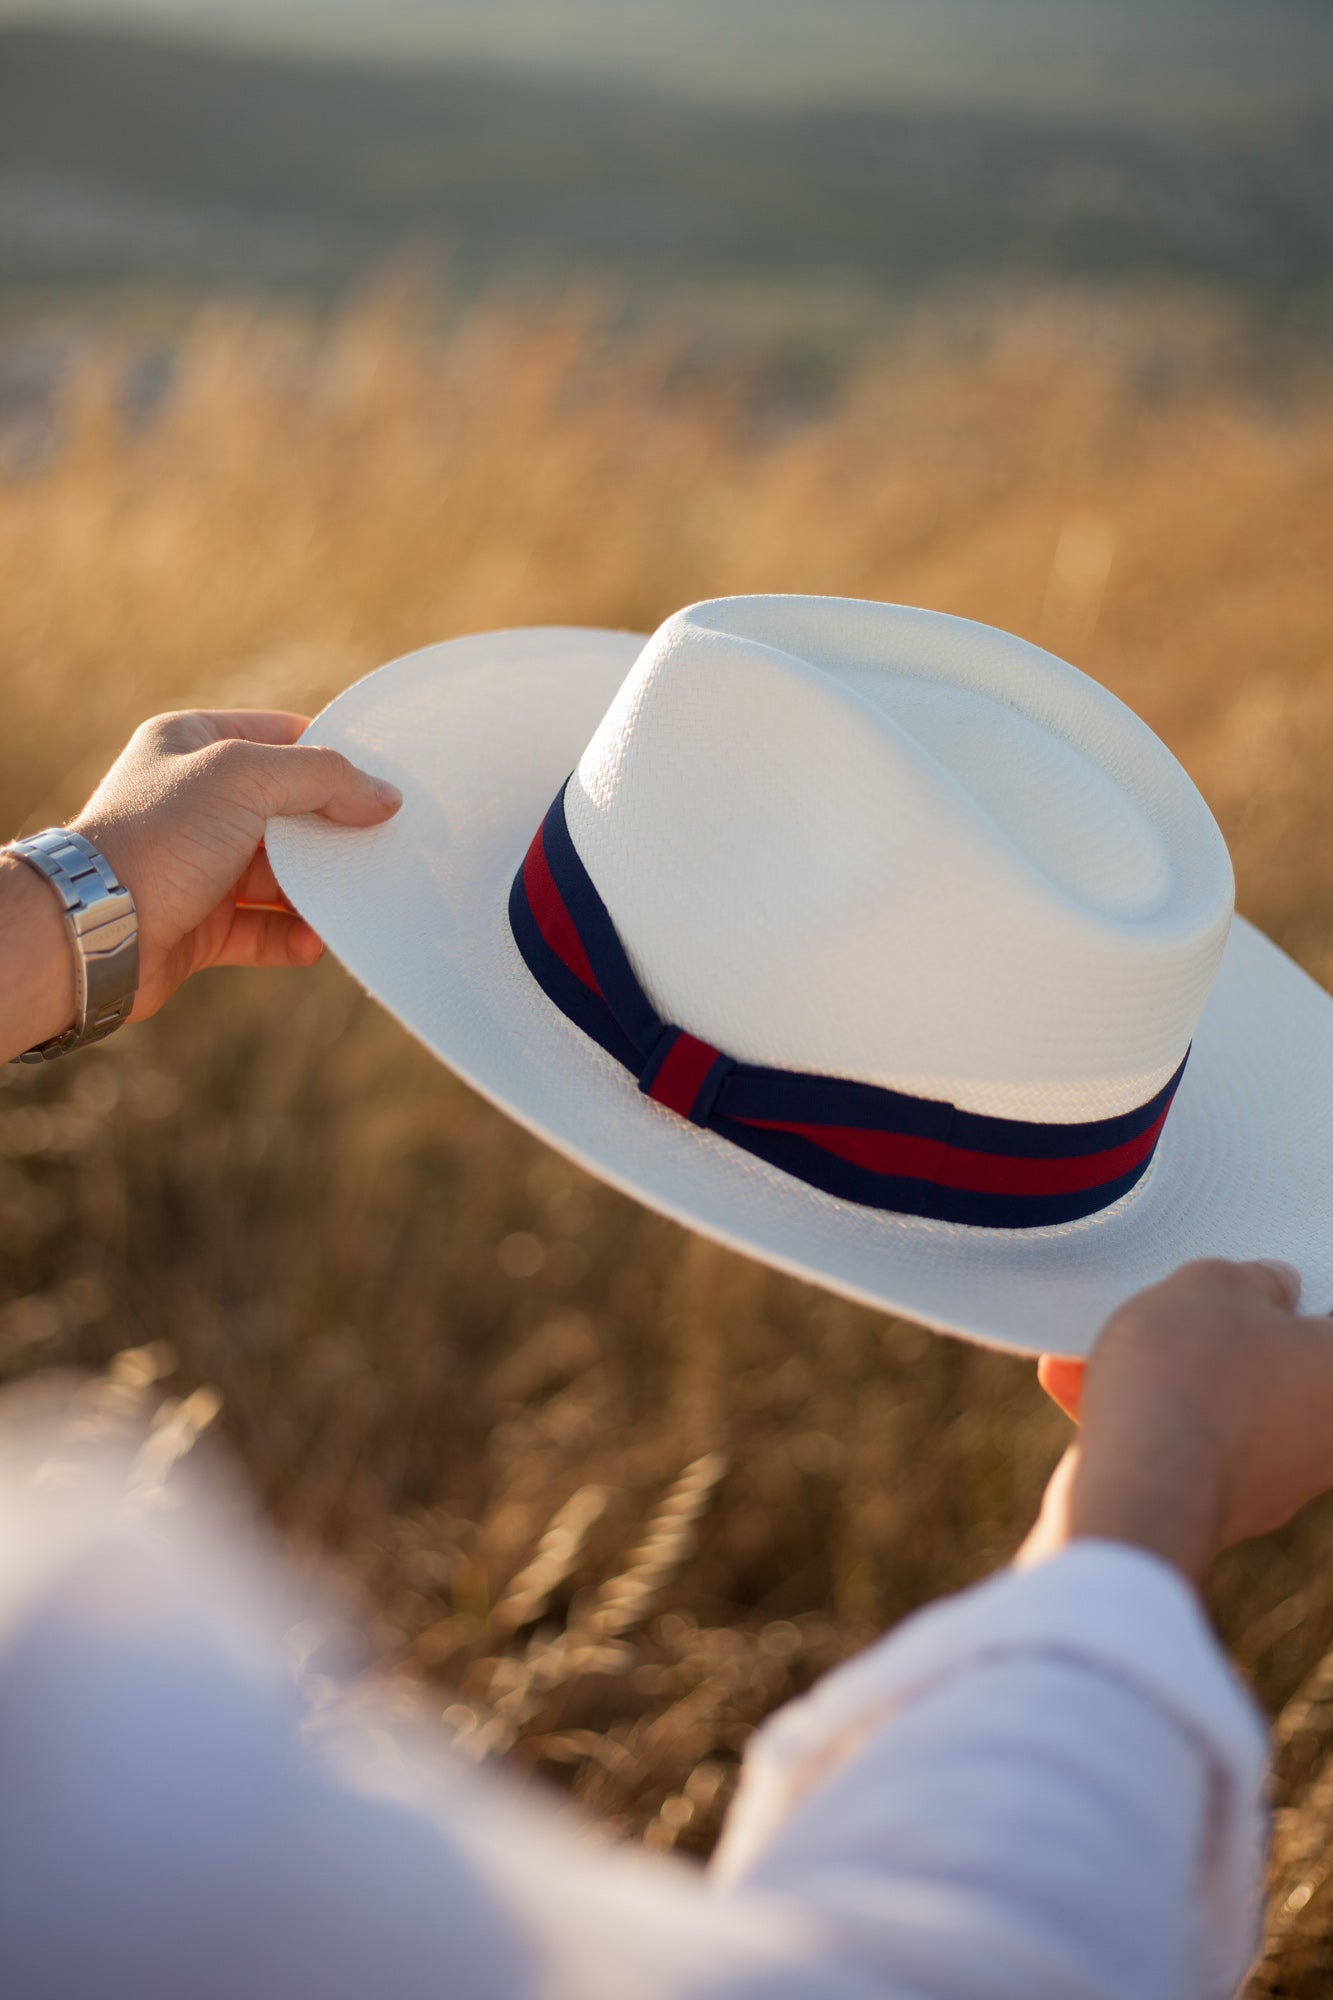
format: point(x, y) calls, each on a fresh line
point(104, 933)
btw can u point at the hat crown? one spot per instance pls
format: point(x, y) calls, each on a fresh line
point(885, 844)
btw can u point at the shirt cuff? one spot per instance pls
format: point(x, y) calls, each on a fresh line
point(1101, 1605)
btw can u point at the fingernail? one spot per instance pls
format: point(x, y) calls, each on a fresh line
point(387, 794)
point(1288, 1273)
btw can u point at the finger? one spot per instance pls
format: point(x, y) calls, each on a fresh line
point(1062, 1379)
point(1279, 1282)
point(269, 938)
point(258, 888)
point(312, 779)
point(256, 725)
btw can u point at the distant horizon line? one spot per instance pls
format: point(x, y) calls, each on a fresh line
point(977, 88)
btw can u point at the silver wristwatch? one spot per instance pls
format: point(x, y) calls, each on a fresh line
point(104, 931)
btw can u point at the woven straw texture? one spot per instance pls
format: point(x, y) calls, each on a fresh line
point(874, 842)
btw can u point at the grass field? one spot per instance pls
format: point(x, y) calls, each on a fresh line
point(608, 1492)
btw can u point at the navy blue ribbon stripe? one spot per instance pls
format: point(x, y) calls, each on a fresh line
point(882, 1148)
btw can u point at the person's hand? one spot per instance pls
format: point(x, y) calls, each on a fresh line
point(180, 816)
point(1206, 1414)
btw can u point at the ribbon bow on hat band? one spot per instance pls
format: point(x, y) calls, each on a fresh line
point(879, 1147)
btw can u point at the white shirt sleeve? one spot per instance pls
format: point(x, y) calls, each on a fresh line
point(1048, 1788)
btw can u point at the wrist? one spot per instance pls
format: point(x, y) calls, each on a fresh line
point(37, 979)
point(1159, 1494)
point(1167, 1501)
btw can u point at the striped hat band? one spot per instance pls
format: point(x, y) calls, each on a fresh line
point(881, 1148)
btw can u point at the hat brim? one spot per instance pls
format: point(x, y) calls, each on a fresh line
point(479, 733)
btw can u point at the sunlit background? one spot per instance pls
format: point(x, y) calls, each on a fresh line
point(722, 148)
point(331, 328)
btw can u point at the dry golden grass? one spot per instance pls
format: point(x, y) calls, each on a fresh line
point(611, 1492)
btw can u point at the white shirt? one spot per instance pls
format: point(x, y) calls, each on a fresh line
point(1047, 1788)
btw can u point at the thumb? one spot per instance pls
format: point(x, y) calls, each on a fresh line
point(309, 778)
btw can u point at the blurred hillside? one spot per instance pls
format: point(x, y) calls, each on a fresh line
point(1173, 62)
point(124, 158)
point(608, 1492)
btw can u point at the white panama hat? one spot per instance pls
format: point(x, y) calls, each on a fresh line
point(866, 940)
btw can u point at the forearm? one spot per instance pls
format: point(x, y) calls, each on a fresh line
point(1006, 1855)
point(1047, 1785)
point(37, 987)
